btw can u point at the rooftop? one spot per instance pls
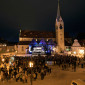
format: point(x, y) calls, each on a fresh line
point(37, 34)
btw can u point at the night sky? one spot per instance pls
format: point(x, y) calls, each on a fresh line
point(39, 15)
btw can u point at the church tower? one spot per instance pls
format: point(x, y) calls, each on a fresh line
point(59, 28)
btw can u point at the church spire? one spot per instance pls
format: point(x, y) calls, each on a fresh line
point(58, 12)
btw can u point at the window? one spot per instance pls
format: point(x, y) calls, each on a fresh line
point(36, 39)
point(61, 26)
point(47, 39)
point(22, 48)
point(61, 38)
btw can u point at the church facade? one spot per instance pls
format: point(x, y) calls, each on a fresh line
point(41, 41)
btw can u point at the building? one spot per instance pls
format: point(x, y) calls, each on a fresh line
point(41, 41)
point(3, 45)
point(77, 49)
point(7, 48)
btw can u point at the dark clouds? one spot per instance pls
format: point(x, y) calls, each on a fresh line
point(39, 15)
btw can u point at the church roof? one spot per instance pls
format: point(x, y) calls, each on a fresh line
point(37, 34)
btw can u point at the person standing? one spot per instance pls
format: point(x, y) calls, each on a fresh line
point(36, 75)
point(74, 66)
point(21, 77)
point(17, 77)
point(42, 75)
point(26, 77)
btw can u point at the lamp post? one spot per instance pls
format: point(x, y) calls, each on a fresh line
point(31, 65)
point(3, 60)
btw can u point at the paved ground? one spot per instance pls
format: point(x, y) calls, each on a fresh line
point(57, 77)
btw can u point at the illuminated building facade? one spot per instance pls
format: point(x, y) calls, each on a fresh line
point(77, 49)
point(37, 42)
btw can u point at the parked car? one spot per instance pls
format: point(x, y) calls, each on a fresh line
point(78, 82)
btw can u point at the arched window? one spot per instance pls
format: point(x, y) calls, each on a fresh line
point(61, 26)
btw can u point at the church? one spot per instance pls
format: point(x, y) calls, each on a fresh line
point(43, 42)
point(32, 42)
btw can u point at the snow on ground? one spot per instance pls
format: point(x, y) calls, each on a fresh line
point(57, 77)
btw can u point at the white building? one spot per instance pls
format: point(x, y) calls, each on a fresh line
point(77, 49)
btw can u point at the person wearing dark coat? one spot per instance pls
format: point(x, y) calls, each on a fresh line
point(49, 70)
point(42, 75)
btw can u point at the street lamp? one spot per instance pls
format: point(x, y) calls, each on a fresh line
point(31, 65)
point(74, 52)
point(81, 52)
point(2, 65)
point(3, 60)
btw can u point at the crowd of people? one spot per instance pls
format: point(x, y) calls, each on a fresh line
point(20, 70)
point(66, 61)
